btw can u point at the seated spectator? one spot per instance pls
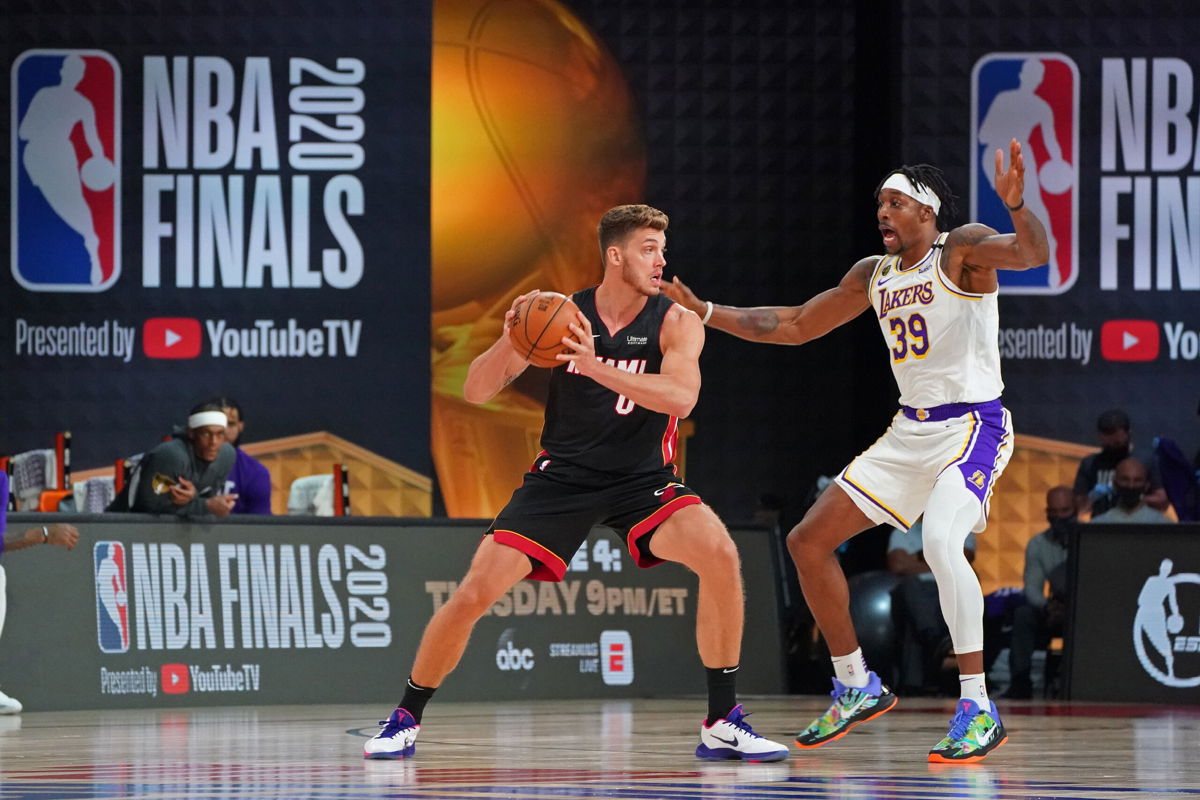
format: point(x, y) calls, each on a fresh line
point(1041, 617)
point(1132, 484)
point(185, 475)
point(248, 479)
point(55, 533)
point(922, 637)
point(1094, 491)
point(1181, 481)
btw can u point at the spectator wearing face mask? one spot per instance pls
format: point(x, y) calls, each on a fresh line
point(1095, 492)
point(1042, 617)
point(1131, 484)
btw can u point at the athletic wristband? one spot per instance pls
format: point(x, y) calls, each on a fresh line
point(708, 307)
point(45, 535)
point(1017, 207)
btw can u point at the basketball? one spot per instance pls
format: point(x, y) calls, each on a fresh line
point(1174, 623)
point(98, 173)
point(539, 326)
point(1056, 176)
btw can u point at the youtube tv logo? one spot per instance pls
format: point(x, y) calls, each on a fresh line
point(175, 679)
point(171, 337)
point(1129, 340)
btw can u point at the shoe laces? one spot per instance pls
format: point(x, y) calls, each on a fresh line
point(393, 724)
point(847, 695)
point(959, 723)
point(738, 720)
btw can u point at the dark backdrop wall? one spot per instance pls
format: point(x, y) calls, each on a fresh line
point(764, 139)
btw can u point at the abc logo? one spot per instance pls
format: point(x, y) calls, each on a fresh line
point(511, 658)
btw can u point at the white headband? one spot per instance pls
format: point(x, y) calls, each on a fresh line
point(900, 183)
point(202, 418)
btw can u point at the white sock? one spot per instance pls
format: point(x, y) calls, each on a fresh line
point(851, 669)
point(974, 687)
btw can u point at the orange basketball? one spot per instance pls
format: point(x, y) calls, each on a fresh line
point(539, 326)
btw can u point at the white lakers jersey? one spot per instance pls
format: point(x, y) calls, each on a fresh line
point(943, 342)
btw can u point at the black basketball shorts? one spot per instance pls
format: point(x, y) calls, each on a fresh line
point(557, 504)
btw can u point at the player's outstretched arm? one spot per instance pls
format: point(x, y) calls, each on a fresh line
point(674, 389)
point(55, 533)
point(499, 365)
point(978, 246)
point(786, 324)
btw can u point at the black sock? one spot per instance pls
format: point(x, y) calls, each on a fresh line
point(722, 692)
point(415, 698)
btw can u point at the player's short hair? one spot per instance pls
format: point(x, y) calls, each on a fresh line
point(931, 178)
point(617, 223)
point(207, 405)
point(225, 402)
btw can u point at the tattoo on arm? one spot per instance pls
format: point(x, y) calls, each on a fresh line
point(758, 321)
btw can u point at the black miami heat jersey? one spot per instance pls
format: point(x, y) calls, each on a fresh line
point(592, 426)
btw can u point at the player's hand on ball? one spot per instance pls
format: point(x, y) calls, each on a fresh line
point(510, 315)
point(584, 350)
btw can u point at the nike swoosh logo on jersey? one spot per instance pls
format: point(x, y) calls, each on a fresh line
point(731, 742)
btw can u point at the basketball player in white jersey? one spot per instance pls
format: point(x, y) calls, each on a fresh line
point(935, 297)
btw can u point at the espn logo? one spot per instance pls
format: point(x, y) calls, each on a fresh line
point(616, 658)
point(1129, 340)
point(171, 337)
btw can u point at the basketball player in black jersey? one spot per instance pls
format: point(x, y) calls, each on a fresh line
point(608, 443)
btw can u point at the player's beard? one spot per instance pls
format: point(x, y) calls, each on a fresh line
point(637, 280)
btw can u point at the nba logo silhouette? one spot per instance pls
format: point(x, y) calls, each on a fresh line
point(66, 170)
point(112, 597)
point(1033, 98)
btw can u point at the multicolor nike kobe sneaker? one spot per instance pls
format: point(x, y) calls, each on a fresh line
point(974, 732)
point(850, 707)
point(732, 737)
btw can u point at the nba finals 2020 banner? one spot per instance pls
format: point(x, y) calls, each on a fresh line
point(234, 202)
point(1108, 128)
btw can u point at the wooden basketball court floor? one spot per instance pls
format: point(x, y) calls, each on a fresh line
point(549, 750)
